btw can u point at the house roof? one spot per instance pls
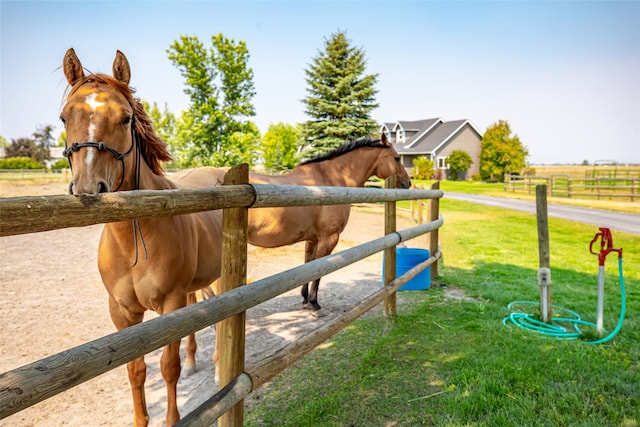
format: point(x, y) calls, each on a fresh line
point(427, 136)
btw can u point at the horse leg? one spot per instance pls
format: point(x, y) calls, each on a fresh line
point(190, 360)
point(170, 368)
point(210, 292)
point(170, 362)
point(323, 248)
point(136, 369)
point(309, 255)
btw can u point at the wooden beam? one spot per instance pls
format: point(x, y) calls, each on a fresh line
point(390, 253)
point(231, 331)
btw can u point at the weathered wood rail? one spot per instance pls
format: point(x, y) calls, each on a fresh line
point(32, 383)
point(567, 186)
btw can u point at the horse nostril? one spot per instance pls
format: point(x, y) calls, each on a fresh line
point(70, 190)
point(102, 187)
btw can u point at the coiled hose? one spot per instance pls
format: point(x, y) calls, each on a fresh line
point(529, 323)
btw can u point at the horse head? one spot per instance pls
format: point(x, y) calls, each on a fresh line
point(99, 118)
point(389, 163)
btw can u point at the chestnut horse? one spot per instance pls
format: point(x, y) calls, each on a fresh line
point(147, 264)
point(350, 165)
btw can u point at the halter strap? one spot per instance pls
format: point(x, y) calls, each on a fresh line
point(101, 146)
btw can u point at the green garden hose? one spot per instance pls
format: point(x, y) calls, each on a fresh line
point(529, 323)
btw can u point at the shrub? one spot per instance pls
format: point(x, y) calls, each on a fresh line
point(60, 165)
point(20, 163)
point(459, 162)
point(422, 168)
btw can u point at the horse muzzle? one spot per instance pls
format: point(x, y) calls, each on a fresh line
point(93, 188)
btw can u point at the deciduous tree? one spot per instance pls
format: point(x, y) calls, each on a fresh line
point(219, 84)
point(501, 152)
point(36, 148)
point(280, 147)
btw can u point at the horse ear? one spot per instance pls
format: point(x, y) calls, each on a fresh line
point(72, 67)
point(121, 69)
point(384, 140)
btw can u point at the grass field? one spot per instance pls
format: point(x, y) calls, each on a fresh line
point(590, 171)
point(453, 363)
point(497, 190)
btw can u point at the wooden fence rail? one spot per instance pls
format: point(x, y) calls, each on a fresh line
point(567, 186)
point(21, 215)
point(32, 383)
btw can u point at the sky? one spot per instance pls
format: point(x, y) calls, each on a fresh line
point(564, 74)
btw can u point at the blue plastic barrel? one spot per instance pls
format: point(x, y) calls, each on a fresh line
point(406, 259)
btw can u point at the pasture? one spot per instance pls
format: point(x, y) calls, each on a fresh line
point(589, 171)
point(446, 362)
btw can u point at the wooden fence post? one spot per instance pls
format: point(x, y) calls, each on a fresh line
point(420, 211)
point(544, 272)
point(390, 253)
point(231, 331)
point(434, 214)
point(413, 203)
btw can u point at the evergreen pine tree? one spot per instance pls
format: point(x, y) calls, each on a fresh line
point(340, 97)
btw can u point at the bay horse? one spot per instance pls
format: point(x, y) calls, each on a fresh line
point(147, 264)
point(350, 165)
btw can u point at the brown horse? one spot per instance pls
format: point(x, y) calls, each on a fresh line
point(320, 226)
point(148, 264)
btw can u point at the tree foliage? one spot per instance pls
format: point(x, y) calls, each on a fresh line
point(62, 139)
point(220, 87)
point(340, 96)
point(280, 147)
point(501, 152)
point(36, 148)
point(459, 163)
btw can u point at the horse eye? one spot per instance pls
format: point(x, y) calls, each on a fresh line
point(64, 122)
point(126, 121)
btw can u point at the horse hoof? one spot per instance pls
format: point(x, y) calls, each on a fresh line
point(187, 371)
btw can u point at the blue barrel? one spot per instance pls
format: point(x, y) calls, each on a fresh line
point(406, 259)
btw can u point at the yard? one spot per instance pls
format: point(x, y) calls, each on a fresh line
point(454, 363)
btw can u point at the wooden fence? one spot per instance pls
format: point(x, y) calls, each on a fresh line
point(32, 383)
point(567, 186)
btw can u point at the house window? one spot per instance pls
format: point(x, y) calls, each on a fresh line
point(400, 136)
point(442, 163)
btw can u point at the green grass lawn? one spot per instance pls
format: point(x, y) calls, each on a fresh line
point(497, 190)
point(443, 362)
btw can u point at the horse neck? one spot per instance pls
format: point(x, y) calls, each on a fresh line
point(351, 169)
point(132, 235)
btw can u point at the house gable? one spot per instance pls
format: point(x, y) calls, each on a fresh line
point(435, 139)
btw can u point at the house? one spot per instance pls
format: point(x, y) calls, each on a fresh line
point(434, 139)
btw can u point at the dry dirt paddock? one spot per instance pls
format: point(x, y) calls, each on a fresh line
point(52, 299)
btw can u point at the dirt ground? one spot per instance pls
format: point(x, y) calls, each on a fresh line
point(53, 299)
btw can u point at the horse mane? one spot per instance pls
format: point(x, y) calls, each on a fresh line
point(153, 149)
point(346, 148)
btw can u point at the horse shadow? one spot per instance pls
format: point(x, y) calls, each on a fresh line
point(270, 326)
